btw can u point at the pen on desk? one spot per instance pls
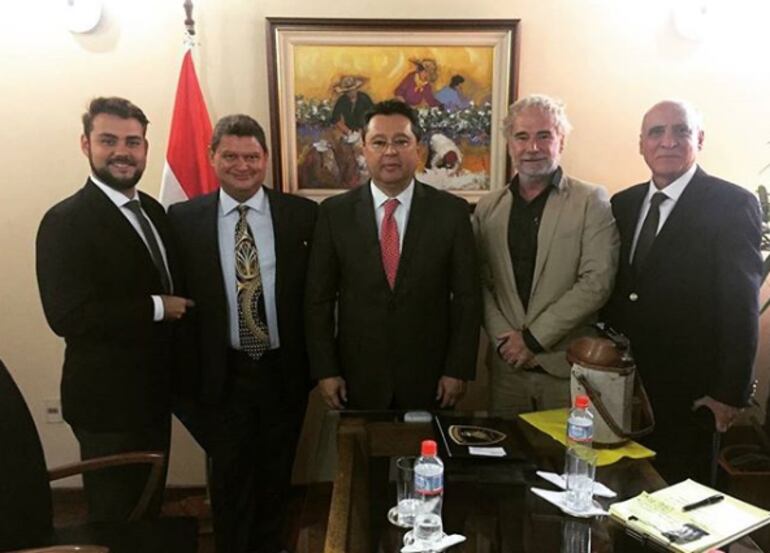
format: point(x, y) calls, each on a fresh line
point(704, 502)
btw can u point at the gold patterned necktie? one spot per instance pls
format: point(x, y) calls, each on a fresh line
point(253, 332)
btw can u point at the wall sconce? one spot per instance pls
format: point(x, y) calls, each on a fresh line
point(692, 18)
point(81, 16)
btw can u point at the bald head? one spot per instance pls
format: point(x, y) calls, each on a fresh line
point(686, 109)
point(670, 139)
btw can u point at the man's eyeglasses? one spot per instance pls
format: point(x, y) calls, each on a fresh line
point(381, 145)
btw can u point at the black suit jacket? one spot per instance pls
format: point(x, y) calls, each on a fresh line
point(692, 311)
point(392, 346)
point(96, 277)
point(195, 226)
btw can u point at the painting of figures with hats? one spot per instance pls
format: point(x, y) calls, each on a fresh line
point(460, 91)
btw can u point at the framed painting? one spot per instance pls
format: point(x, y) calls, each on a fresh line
point(324, 74)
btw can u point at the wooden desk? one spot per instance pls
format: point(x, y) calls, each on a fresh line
point(494, 516)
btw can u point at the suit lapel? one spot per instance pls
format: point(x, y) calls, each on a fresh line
point(418, 214)
point(366, 227)
point(158, 219)
point(500, 255)
point(115, 229)
point(677, 224)
point(628, 224)
point(551, 215)
point(280, 229)
point(208, 246)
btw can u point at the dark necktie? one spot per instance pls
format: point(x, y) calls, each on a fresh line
point(389, 243)
point(649, 230)
point(149, 236)
point(252, 330)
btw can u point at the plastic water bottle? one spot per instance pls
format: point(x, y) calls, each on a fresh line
point(580, 462)
point(429, 489)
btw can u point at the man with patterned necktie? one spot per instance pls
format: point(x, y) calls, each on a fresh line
point(107, 272)
point(244, 252)
point(395, 259)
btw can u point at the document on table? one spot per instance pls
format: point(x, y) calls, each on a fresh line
point(660, 516)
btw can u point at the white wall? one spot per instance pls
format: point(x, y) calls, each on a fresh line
point(608, 59)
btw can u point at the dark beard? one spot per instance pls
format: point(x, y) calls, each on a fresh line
point(115, 183)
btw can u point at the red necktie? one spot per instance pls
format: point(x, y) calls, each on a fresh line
point(389, 246)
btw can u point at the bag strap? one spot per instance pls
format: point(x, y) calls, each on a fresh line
point(596, 399)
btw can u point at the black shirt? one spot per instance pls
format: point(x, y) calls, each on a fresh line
point(523, 226)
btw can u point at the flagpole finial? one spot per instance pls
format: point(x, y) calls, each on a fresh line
point(189, 22)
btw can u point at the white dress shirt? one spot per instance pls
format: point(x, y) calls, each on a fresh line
point(672, 192)
point(401, 214)
point(120, 200)
point(261, 223)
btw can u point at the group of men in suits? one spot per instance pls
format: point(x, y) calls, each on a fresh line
point(208, 304)
point(116, 274)
point(237, 300)
point(678, 272)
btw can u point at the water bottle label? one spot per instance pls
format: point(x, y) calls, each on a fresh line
point(428, 484)
point(579, 433)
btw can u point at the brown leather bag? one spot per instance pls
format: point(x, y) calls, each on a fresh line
point(604, 370)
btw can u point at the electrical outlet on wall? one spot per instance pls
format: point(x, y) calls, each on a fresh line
point(53, 411)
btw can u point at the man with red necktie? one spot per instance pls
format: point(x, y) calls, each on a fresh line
point(396, 259)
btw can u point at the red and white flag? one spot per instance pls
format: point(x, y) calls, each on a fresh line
point(187, 172)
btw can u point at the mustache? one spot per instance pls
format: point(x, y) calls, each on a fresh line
point(122, 159)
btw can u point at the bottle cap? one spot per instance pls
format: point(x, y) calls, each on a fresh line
point(581, 402)
point(428, 448)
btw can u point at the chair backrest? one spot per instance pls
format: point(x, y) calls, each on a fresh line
point(26, 512)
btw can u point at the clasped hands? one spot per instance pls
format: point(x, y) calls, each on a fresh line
point(335, 394)
point(514, 351)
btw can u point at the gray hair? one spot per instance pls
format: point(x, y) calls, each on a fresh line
point(546, 104)
point(694, 117)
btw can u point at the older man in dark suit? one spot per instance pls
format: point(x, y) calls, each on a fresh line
point(396, 259)
point(107, 271)
point(244, 251)
point(687, 290)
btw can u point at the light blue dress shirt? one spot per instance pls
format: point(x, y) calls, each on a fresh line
point(261, 223)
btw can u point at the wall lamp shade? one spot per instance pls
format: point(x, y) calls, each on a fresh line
point(81, 16)
point(693, 18)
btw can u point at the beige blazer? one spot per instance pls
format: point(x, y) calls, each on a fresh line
point(577, 256)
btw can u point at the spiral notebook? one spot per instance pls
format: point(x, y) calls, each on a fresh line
point(712, 520)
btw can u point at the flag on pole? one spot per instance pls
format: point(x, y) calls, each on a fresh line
point(187, 172)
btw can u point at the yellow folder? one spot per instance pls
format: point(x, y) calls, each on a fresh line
point(554, 423)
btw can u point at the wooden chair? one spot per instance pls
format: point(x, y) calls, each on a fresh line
point(26, 506)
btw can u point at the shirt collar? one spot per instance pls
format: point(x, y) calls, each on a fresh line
point(675, 189)
point(554, 182)
point(404, 198)
point(115, 196)
point(258, 202)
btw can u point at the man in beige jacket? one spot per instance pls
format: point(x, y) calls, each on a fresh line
point(548, 248)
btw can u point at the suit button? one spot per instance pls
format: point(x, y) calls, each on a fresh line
point(633, 296)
